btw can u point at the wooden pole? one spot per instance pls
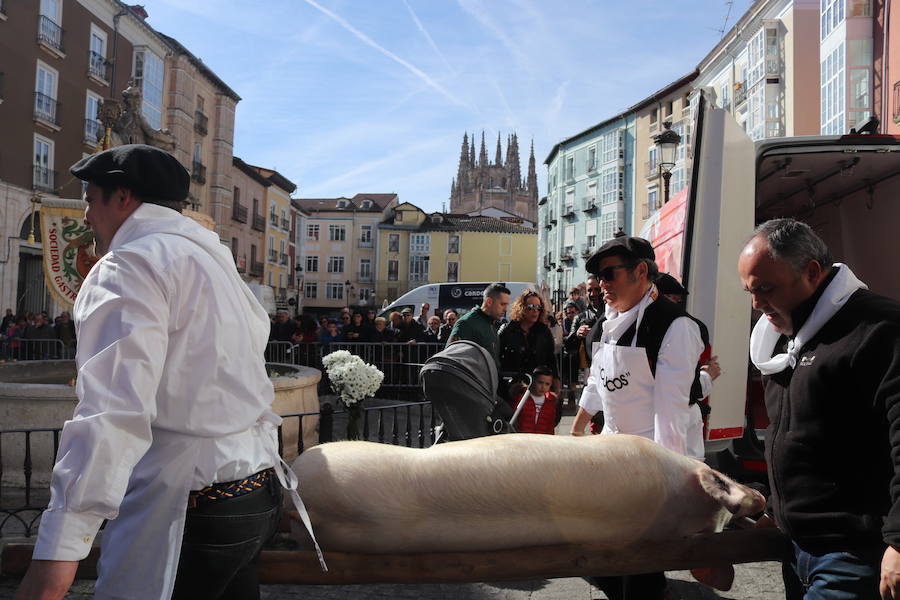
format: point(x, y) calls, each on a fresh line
point(541, 562)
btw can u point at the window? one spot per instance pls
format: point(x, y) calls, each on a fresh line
point(398, 216)
point(234, 247)
point(756, 52)
point(608, 224)
point(201, 103)
point(832, 94)
point(831, 15)
point(394, 242)
point(198, 154)
point(148, 75)
point(49, 29)
point(365, 269)
point(335, 264)
point(859, 63)
point(393, 270)
point(592, 158)
point(652, 161)
point(590, 234)
point(285, 222)
point(334, 290)
point(452, 271)
point(569, 240)
point(312, 232)
point(311, 289)
point(613, 146)
point(365, 236)
point(669, 108)
point(45, 93)
point(337, 233)
point(612, 182)
point(453, 244)
point(654, 117)
point(97, 53)
point(93, 129)
point(724, 99)
point(43, 164)
point(312, 264)
point(570, 167)
point(652, 200)
point(418, 268)
point(419, 242)
point(273, 253)
point(365, 294)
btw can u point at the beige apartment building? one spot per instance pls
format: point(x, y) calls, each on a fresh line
point(339, 249)
point(672, 104)
point(248, 223)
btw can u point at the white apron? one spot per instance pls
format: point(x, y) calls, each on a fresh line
point(154, 508)
point(625, 385)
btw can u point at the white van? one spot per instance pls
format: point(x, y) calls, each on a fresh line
point(461, 297)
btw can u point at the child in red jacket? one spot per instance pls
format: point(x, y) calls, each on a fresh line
point(539, 412)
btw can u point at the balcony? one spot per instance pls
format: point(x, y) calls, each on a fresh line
point(366, 243)
point(283, 258)
point(93, 132)
point(98, 67)
point(201, 123)
point(569, 210)
point(50, 36)
point(259, 223)
point(273, 256)
point(286, 224)
point(43, 179)
point(239, 212)
point(364, 277)
point(46, 110)
point(586, 250)
point(273, 219)
point(568, 254)
point(256, 268)
point(740, 94)
point(198, 172)
point(651, 168)
point(588, 203)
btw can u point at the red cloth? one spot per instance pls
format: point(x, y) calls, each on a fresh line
point(546, 420)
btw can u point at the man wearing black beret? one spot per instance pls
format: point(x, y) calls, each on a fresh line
point(173, 440)
point(642, 370)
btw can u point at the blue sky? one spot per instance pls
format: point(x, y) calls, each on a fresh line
point(350, 96)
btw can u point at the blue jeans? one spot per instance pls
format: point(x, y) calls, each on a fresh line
point(832, 576)
point(222, 542)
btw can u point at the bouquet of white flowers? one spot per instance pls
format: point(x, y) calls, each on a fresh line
point(353, 381)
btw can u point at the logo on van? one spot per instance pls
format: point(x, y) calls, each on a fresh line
point(456, 292)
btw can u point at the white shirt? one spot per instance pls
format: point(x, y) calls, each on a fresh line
point(538, 405)
point(675, 419)
point(172, 388)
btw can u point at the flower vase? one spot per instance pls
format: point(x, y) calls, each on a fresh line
point(354, 416)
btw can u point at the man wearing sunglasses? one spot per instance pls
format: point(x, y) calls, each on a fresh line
point(642, 370)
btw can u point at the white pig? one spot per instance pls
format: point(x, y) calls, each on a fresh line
point(510, 491)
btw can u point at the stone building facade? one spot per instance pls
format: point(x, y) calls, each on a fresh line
point(481, 184)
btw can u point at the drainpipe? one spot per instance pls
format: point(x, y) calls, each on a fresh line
point(115, 48)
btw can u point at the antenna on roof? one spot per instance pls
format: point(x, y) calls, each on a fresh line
point(724, 28)
point(443, 207)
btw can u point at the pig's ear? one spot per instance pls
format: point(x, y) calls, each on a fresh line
point(738, 499)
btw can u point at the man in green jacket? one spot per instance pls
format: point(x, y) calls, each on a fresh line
point(477, 325)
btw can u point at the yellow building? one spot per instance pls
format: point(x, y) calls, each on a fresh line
point(415, 248)
point(277, 238)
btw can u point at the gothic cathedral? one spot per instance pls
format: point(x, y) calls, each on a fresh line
point(481, 185)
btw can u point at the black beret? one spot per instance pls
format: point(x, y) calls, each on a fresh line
point(627, 247)
point(666, 284)
point(151, 173)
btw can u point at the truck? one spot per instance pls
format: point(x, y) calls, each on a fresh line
point(844, 186)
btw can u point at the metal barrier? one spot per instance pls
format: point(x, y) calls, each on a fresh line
point(21, 505)
point(45, 349)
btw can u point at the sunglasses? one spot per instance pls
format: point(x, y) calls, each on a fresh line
point(536, 307)
point(609, 273)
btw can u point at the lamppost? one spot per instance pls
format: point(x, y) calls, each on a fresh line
point(299, 270)
point(560, 289)
point(667, 142)
point(348, 289)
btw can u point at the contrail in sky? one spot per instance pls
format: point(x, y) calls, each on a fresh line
point(428, 37)
point(370, 42)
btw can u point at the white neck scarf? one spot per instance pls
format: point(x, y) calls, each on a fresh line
point(764, 336)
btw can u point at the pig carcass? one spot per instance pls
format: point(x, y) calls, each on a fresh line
point(510, 491)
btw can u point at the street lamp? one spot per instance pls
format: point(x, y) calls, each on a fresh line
point(299, 270)
point(560, 290)
point(348, 289)
point(667, 142)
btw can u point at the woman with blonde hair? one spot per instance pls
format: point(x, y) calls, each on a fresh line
point(526, 342)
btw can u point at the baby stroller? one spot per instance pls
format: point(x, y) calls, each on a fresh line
point(461, 383)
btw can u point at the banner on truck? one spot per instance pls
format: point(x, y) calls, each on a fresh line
point(665, 231)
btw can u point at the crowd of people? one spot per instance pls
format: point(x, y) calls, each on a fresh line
point(29, 336)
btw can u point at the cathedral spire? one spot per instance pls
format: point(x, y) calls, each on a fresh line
point(515, 168)
point(464, 151)
point(531, 184)
point(498, 158)
point(472, 151)
point(482, 158)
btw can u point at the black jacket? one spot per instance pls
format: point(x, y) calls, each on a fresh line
point(833, 445)
point(590, 317)
point(521, 353)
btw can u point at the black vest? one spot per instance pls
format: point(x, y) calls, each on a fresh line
point(658, 316)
